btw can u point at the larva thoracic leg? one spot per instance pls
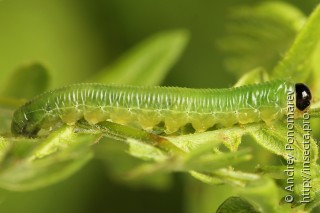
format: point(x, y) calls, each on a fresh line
point(146, 107)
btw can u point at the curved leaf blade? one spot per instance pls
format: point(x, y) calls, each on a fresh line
point(256, 36)
point(236, 204)
point(148, 62)
point(28, 164)
point(26, 82)
point(297, 63)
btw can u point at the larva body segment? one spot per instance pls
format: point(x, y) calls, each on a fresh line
point(148, 106)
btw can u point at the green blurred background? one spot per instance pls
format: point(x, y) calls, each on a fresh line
point(74, 39)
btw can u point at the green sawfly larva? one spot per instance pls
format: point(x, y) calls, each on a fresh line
point(147, 106)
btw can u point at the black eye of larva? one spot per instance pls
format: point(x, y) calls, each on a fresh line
point(303, 96)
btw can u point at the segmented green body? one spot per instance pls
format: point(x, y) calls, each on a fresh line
point(148, 106)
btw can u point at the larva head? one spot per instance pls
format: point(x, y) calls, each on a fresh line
point(23, 124)
point(303, 96)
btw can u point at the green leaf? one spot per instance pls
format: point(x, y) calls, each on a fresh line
point(142, 146)
point(5, 120)
point(273, 138)
point(121, 166)
point(314, 84)
point(11, 103)
point(256, 36)
point(231, 138)
point(297, 63)
point(229, 176)
point(26, 82)
point(277, 141)
point(316, 202)
point(204, 159)
point(145, 151)
point(28, 164)
point(236, 204)
point(315, 110)
point(265, 194)
point(148, 62)
point(4, 144)
point(132, 135)
point(255, 76)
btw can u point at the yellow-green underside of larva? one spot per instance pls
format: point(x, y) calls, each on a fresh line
point(173, 120)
